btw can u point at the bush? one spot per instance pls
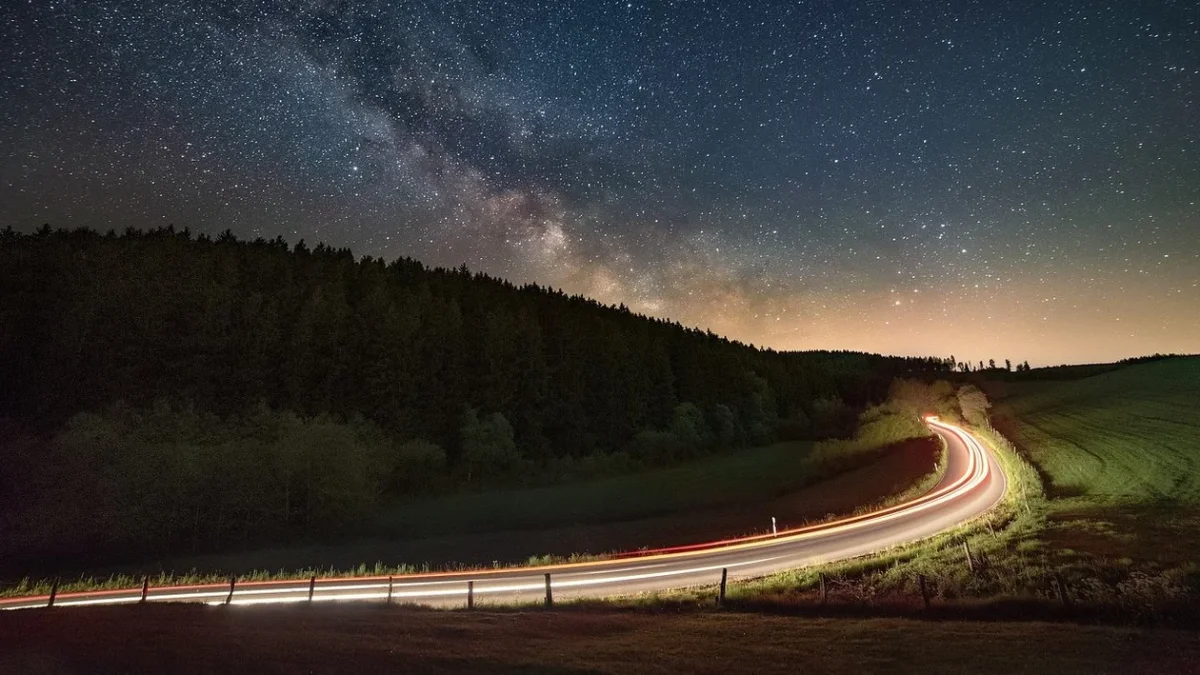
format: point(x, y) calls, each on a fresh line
point(832, 418)
point(690, 429)
point(488, 447)
point(724, 424)
point(128, 479)
point(420, 465)
point(656, 447)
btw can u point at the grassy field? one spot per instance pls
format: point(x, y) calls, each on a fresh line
point(746, 476)
point(1131, 436)
point(356, 638)
point(1120, 454)
point(729, 478)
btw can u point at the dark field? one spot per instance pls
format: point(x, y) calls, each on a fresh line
point(346, 639)
point(707, 499)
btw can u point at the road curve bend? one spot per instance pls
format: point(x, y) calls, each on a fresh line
point(972, 484)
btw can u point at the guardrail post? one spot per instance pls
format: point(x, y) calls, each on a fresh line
point(145, 588)
point(924, 590)
point(970, 561)
point(824, 591)
point(53, 593)
point(389, 597)
point(471, 594)
point(721, 593)
point(232, 583)
point(549, 593)
point(312, 587)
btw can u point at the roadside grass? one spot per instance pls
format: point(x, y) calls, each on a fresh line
point(361, 638)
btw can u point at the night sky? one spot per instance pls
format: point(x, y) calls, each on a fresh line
point(985, 179)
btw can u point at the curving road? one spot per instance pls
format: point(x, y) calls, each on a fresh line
point(973, 484)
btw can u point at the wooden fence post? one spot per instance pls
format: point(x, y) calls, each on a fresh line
point(824, 591)
point(53, 593)
point(549, 594)
point(721, 593)
point(924, 591)
point(470, 595)
point(145, 588)
point(232, 582)
point(389, 596)
point(1061, 586)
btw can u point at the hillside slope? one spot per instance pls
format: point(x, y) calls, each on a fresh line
point(1120, 453)
point(1132, 435)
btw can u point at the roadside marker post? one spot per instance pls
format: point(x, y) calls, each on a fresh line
point(145, 588)
point(970, 561)
point(549, 593)
point(924, 591)
point(389, 595)
point(53, 593)
point(774, 530)
point(721, 593)
point(312, 587)
point(232, 583)
point(824, 591)
point(471, 594)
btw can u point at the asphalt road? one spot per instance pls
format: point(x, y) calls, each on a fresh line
point(973, 484)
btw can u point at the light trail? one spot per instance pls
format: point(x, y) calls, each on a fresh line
point(972, 484)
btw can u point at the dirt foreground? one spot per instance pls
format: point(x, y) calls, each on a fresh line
point(329, 638)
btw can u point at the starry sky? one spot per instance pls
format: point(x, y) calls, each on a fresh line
point(987, 179)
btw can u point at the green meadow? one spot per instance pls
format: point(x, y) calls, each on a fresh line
point(1127, 437)
point(1119, 454)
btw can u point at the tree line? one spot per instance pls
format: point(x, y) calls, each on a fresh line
point(967, 367)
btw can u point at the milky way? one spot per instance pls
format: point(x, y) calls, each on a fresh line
point(988, 179)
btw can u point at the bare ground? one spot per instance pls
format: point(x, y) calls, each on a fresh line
point(361, 638)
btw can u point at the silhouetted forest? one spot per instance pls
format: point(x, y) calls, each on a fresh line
point(187, 359)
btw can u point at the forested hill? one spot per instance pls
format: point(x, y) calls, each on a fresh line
point(88, 319)
point(164, 392)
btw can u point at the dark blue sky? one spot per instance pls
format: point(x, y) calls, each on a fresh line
point(993, 179)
